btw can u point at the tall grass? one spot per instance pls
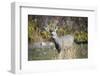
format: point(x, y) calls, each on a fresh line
point(75, 52)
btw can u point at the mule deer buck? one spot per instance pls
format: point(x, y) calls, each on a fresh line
point(61, 43)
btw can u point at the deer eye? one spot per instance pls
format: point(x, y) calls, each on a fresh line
point(50, 31)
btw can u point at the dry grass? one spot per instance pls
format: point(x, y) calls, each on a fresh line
point(75, 52)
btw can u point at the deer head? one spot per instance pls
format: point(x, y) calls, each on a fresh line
point(52, 28)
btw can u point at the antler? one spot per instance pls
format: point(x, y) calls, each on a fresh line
point(47, 28)
point(56, 28)
point(51, 27)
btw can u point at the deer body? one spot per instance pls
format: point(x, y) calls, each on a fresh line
point(63, 42)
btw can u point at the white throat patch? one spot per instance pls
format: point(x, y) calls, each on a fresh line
point(54, 35)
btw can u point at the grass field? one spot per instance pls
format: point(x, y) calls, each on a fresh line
point(76, 52)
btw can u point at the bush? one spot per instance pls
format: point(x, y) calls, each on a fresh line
point(81, 36)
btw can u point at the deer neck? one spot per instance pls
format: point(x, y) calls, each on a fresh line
point(55, 37)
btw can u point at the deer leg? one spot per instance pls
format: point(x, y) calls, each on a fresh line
point(60, 55)
point(64, 55)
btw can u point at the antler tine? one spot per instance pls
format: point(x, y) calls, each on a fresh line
point(56, 28)
point(55, 25)
point(46, 28)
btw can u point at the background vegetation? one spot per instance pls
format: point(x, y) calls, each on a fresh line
point(76, 26)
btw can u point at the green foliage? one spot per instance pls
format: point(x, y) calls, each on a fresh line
point(33, 31)
point(45, 35)
point(37, 33)
point(81, 36)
